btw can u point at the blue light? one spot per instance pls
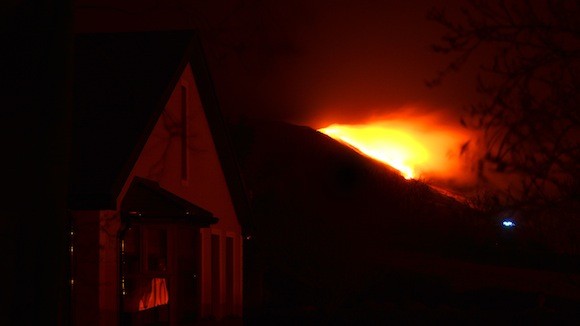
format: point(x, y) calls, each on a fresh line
point(508, 223)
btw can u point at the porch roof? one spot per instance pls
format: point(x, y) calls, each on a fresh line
point(147, 201)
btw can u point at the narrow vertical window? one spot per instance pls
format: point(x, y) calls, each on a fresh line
point(229, 276)
point(184, 145)
point(215, 276)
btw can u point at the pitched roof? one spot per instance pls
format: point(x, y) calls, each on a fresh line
point(122, 82)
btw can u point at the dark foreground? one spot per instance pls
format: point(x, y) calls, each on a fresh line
point(474, 310)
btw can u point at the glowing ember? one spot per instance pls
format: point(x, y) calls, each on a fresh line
point(416, 147)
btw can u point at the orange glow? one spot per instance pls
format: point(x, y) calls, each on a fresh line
point(156, 296)
point(418, 147)
point(394, 147)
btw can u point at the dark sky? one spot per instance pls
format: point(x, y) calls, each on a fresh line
point(306, 62)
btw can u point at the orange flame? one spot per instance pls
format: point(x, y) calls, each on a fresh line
point(418, 147)
point(394, 147)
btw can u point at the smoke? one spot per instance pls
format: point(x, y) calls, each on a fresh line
point(310, 61)
point(451, 149)
point(304, 61)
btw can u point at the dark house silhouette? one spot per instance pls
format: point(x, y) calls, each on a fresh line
point(157, 204)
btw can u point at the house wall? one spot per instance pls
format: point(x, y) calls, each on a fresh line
point(85, 268)
point(109, 225)
point(95, 268)
point(161, 160)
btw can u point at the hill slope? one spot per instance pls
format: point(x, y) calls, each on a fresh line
point(329, 222)
point(313, 197)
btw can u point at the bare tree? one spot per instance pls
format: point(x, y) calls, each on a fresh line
point(529, 115)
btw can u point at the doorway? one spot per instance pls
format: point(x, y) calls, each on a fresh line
point(159, 274)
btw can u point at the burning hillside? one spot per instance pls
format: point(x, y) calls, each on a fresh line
point(418, 147)
point(297, 171)
point(391, 146)
point(328, 222)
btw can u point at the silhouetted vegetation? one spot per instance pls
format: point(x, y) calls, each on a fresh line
point(529, 117)
point(528, 155)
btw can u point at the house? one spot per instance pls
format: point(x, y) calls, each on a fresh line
point(157, 205)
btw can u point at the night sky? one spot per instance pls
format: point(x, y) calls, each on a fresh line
point(306, 62)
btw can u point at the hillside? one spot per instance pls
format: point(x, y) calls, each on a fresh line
point(329, 224)
point(300, 175)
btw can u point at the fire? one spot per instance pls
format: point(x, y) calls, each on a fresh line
point(418, 147)
point(394, 147)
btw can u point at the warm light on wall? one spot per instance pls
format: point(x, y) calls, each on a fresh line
point(123, 263)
